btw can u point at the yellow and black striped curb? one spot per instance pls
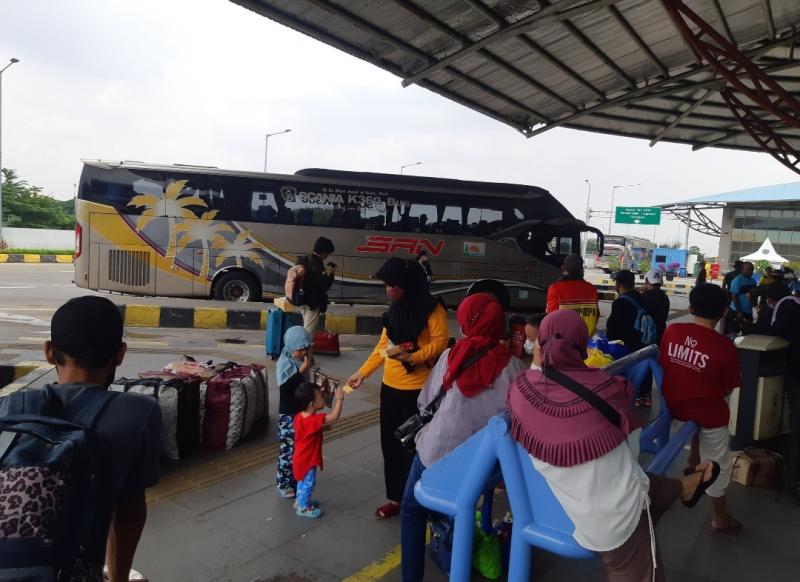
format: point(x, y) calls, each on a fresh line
point(223, 318)
point(6, 258)
point(16, 377)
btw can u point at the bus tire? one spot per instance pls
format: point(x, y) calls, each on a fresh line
point(237, 286)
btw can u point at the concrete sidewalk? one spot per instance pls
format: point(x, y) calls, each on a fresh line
point(239, 530)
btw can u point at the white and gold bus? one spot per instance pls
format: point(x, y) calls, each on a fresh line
point(197, 231)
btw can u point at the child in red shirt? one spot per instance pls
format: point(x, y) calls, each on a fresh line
point(308, 443)
point(701, 369)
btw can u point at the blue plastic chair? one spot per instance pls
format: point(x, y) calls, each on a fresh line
point(453, 485)
point(655, 438)
point(539, 519)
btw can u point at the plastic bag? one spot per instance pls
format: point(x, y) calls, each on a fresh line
point(597, 359)
point(487, 558)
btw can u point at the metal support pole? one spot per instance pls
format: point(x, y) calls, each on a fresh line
point(585, 235)
point(1, 158)
point(11, 62)
point(686, 243)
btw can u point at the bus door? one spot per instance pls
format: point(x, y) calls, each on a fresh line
point(550, 240)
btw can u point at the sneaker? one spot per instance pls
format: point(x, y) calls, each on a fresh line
point(639, 402)
point(287, 493)
point(312, 512)
point(647, 401)
point(313, 503)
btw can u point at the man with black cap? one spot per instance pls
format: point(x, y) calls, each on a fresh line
point(572, 292)
point(317, 279)
point(86, 347)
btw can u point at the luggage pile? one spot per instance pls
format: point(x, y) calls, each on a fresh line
point(214, 406)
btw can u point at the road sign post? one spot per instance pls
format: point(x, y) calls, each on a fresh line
point(637, 215)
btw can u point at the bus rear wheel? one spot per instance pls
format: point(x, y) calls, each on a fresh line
point(237, 286)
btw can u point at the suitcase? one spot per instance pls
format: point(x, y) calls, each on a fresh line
point(229, 405)
point(757, 468)
point(326, 342)
point(179, 399)
point(277, 323)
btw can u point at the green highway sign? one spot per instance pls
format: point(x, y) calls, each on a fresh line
point(637, 215)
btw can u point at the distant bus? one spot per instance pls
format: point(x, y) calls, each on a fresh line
point(629, 251)
point(190, 231)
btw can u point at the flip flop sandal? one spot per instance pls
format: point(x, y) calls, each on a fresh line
point(387, 511)
point(734, 527)
point(287, 493)
point(703, 486)
point(312, 512)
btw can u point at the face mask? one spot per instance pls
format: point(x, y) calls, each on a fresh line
point(395, 293)
point(528, 347)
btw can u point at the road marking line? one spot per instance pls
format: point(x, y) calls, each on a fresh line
point(383, 566)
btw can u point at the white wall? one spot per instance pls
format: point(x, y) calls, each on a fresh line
point(39, 238)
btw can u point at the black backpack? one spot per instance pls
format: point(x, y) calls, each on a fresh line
point(49, 486)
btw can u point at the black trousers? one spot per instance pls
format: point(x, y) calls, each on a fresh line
point(397, 406)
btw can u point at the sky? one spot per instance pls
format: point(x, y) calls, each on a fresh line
point(202, 81)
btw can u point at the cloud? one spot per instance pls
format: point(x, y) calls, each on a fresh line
point(202, 81)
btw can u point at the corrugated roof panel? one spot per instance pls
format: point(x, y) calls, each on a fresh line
point(598, 46)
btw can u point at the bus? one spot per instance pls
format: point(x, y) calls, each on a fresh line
point(629, 251)
point(198, 231)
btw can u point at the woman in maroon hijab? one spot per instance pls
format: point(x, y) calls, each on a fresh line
point(584, 455)
point(474, 377)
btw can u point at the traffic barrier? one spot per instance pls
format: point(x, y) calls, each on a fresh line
point(17, 376)
point(223, 318)
point(14, 258)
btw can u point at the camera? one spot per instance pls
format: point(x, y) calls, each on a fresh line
point(408, 431)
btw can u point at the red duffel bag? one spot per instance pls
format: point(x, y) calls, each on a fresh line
point(326, 342)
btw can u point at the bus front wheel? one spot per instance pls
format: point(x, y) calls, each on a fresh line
point(237, 286)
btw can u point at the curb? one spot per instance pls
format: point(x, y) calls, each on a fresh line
point(16, 377)
point(222, 318)
point(6, 258)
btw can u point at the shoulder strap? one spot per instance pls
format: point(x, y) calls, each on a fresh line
point(88, 405)
point(38, 401)
point(433, 406)
point(601, 405)
point(632, 301)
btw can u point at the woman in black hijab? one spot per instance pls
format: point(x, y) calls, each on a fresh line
point(414, 334)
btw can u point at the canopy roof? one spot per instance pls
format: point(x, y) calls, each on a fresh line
point(620, 67)
point(776, 193)
point(766, 253)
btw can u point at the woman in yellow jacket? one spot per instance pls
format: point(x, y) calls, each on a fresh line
point(414, 335)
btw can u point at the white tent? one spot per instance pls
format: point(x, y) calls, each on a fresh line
point(766, 253)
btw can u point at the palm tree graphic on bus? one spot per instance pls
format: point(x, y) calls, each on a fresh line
point(241, 248)
point(205, 230)
point(171, 203)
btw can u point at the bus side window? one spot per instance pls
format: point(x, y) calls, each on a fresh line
point(263, 207)
point(419, 217)
point(483, 221)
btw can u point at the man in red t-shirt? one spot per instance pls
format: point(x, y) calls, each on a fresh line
point(701, 369)
point(572, 292)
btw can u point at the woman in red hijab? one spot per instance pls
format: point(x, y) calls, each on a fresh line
point(473, 379)
point(585, 456)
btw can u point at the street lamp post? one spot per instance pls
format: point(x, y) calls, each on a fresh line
point(585, 238)
point(266, 145)
point(408, 166)
point(11, 62)
point(613, 192)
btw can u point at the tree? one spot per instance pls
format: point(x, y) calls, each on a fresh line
point(695, 250)
point(25, 206)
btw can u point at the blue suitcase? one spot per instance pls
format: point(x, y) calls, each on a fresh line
point(277, 323)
